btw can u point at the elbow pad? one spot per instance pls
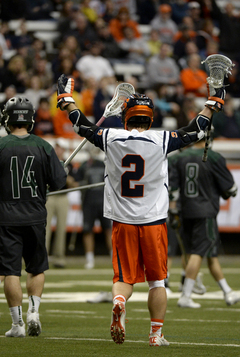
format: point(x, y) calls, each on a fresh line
point(232, 192)
point(81, 125)
point(195, 129)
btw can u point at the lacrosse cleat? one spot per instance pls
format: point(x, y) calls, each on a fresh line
point(33, 323)
point(16, 331)
point(156, 340)
point(118, 323)
point(231, 298)
point(198, 287)
point(185, 301)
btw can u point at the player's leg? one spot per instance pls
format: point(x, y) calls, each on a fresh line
point(154, 244)
point(89, 216)
point(36, 261)
point(59, 245)
point(13, 293)
point(10, 267)
point(230, 296)
point(50, 206)
point(127, 271)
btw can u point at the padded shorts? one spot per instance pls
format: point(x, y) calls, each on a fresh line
point(27, 242)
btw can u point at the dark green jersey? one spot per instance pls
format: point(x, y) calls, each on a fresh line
point(27, 165)
point(200, 183)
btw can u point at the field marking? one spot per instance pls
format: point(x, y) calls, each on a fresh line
point(109, 271)
point(139, 341)
point(136, 297)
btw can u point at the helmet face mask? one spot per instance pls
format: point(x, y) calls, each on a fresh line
point(137, 110)
point(18, 111)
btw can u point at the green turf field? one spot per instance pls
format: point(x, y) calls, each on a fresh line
point(73, 327)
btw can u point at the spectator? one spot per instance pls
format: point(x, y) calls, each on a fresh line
point(15, 74)
point(88, 11)
point(158, 116)
point(228, 124)
point(206, 34)
point(179, 10)
point(189, 110)
point(94, 65)
point(6, 42)
point(58, 206)
point(38, 10)
point(60, 119)
point(229, 26)
point(110, 48)
point(42, 69)
point(108, 12)
point(162, 22)
point(43, 119)
point(65, 22)
point(34, 91)
point(88, 93)
point(184, 35)
point(9, 93)
point(90, 172)
point(122, 20)
point(195, 14)
point(137, 48)
point(103, 96)
point(162, 69)
point(190, 48)
point(84, 32)
point(154, 42)
point(193, 78)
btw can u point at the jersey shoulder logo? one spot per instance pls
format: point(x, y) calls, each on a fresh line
point(100, 132)
point(174, 134)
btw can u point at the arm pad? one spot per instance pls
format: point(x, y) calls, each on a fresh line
point(195, 130)
point(81, 125)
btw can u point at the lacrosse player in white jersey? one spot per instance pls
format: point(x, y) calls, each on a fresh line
point(136, 196)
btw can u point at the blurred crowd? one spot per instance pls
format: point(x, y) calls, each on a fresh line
point(94, 35)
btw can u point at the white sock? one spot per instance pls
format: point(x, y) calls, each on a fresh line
point(119, 298)
point(34, 303)
point(90, 257)
point(16, 314)
point(188, 286)
point(224, 286)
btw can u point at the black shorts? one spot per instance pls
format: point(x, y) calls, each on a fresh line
point(27, 242)
point(91, 212)
point(201, 236)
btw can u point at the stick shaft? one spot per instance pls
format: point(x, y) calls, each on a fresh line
point(207, 141)
point(99, 184)
point(79, 147)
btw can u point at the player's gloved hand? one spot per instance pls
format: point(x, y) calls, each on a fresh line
point(174, 219)
point(65, 88)
point(216, 97)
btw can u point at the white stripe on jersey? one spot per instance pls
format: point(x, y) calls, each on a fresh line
point(136, 183)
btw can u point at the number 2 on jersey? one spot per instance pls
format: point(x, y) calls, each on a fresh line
point(136, 175)
point(27, 180)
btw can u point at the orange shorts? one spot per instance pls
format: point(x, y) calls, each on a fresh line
point(139, 251)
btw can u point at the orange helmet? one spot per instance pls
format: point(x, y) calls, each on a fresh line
point(137, 108)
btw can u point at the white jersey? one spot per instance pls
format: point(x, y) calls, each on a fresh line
point(136, 180)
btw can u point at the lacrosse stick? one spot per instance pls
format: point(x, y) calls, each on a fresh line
point(122, 91)
point(219, 67)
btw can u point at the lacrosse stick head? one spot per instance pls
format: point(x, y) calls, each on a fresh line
point(219, 67)
point(122, 92)
point(137, 109)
